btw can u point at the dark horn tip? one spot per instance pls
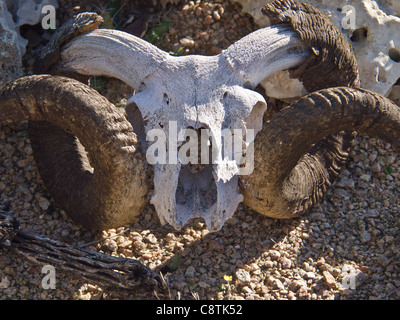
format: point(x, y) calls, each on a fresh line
point(332, 57)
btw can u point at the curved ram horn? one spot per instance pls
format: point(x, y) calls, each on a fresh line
point(126, 57)
point(50, 55)
point(108, 187)
point(332, 63)
point(121, 55)
point(284, 184)
point(308, 34)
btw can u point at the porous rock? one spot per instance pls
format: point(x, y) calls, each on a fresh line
point(374, 37)
point(13, 15)
point(10, 55)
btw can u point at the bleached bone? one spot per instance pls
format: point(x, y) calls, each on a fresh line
point(199, 92)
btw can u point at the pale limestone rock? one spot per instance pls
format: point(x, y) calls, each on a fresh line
point(395, 94)
point(26, 12)
point(14, 14)
point(374, 36)
point(280, 86)
point(10, 55)
point(29, 11)
point(253, 7)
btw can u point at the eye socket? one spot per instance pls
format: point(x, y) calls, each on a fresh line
point(166, 99)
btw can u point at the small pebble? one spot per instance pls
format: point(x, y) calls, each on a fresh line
point(329, 279)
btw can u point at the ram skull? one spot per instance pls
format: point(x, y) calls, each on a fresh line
point(197, 92)
point(177, 95)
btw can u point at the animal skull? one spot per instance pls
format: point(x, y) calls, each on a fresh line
point(175, 94)
point(298, 153)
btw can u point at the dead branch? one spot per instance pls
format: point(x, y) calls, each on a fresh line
point(109, 272)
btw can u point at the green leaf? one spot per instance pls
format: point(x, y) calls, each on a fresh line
point(154, 34)
point(121, 103)
point(21, 133)
point(107, 21)
point(388, 170)
point(173, 266)
point(115, 5)
point(98, 83)
point(177, 53)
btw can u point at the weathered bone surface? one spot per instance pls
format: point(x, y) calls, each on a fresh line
point(50, 54)
point(196, 92)
point(283, 179)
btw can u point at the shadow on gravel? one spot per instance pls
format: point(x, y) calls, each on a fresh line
point(316, 256)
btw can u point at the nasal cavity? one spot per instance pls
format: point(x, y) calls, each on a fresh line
point(195, 150)
point(196, 190)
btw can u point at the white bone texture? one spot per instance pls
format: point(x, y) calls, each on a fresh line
point(375, 39)
point(175, 94)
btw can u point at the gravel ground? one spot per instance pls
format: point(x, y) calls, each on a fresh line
point(347, 247)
